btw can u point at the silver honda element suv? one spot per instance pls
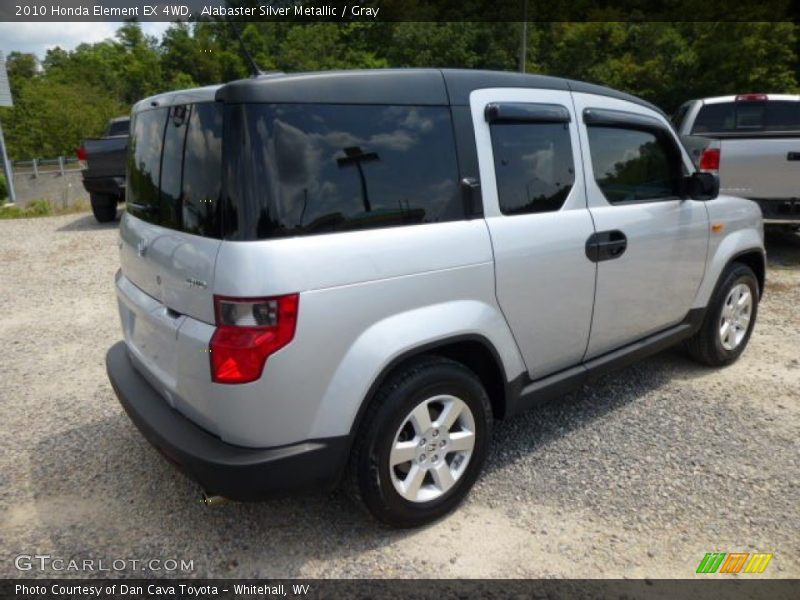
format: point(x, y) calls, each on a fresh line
point(349, 276)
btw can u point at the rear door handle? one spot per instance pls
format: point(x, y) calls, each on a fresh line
point(793, 156)
point(606, 245)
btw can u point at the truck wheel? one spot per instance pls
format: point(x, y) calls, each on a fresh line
point(729, 319)
point(422, 443)
point(104, 207)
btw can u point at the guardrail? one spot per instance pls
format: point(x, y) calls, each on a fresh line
point(62, 164)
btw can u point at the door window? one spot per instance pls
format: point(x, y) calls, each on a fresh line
point(533, 166)
point(632, 165)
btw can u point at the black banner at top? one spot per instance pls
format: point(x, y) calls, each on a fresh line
point(399, 10)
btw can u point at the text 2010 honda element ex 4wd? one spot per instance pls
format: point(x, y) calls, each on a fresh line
point(347, 276)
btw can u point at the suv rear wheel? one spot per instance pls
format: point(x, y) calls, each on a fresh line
point(423, 442)
point(104, 207)
point(729, 320)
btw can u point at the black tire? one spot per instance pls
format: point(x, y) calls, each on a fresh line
point(706, 346)
point(369, 479)
point(104, 207)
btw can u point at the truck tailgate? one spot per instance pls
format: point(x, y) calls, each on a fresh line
point(760, 167)
point(105, 157)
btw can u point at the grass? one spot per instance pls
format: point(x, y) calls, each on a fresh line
point(39, 208)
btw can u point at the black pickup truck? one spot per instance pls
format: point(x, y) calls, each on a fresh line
point(104, 175)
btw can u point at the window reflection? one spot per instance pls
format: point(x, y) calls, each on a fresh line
point(302, 169)
point(533, 166)
point(631, 165)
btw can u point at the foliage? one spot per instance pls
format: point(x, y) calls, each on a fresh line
point(3, 189)
point(71, 94)
point(37, 208)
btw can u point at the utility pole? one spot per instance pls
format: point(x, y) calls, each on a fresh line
point(523, 51)
point(6, 100)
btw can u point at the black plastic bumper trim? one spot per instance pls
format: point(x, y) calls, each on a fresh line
point(223, 469)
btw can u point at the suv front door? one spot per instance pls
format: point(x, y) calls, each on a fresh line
point(651, 244)
point(535, 208)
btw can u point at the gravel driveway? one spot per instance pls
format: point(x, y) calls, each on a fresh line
point(638, 475)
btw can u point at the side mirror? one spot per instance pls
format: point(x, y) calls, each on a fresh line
point(701, 186)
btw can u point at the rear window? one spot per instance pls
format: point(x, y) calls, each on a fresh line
point(119, 127)
point(301, 169)
point(175, 168)
point(144, 163)
point(748, 116)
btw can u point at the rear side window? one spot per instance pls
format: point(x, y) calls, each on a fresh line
point(171, 171)
point(533, 166)
point(175, 168)
point(301, 169)
point(748, 116)
point(631, 165)
point(202, 171)
point(144, 163)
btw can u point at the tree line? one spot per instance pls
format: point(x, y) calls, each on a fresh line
point(70, 94)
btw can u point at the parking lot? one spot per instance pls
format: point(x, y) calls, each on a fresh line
point(638, 475)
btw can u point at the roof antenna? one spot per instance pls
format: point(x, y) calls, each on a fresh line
point(255, 70)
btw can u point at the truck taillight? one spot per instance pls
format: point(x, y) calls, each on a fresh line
point(249, 330)
point(81, 153)
point(751, 97)
point(709, 160)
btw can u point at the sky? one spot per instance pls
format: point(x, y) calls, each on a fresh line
point(39, 37)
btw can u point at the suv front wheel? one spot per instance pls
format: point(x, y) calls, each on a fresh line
point(423, 442)
point(729, 319)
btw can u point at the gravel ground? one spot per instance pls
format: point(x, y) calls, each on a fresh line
point(637, 475)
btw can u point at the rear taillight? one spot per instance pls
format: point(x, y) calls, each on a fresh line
point(249, 330)
point(709, 159)
point(751, 97)
point(81, 153)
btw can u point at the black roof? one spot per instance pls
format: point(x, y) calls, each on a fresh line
point(431, 87)
point(398, 86)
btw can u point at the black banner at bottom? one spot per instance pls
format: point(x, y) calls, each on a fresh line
point(274, 589)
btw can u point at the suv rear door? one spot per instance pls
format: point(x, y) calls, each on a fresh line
point(170, 232)
point(535, 208)
point(654, 243)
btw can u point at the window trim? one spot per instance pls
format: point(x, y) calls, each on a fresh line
point(605, 117)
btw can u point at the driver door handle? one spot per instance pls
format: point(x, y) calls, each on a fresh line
point(606, 245)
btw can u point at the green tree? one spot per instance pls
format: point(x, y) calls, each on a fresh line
point(21, 67)
point(51, 118)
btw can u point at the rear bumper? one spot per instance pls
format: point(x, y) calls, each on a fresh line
point(780, 211)
point(104, 185)
point(223, 469)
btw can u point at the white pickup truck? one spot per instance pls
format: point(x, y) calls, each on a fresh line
point(752, 141)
